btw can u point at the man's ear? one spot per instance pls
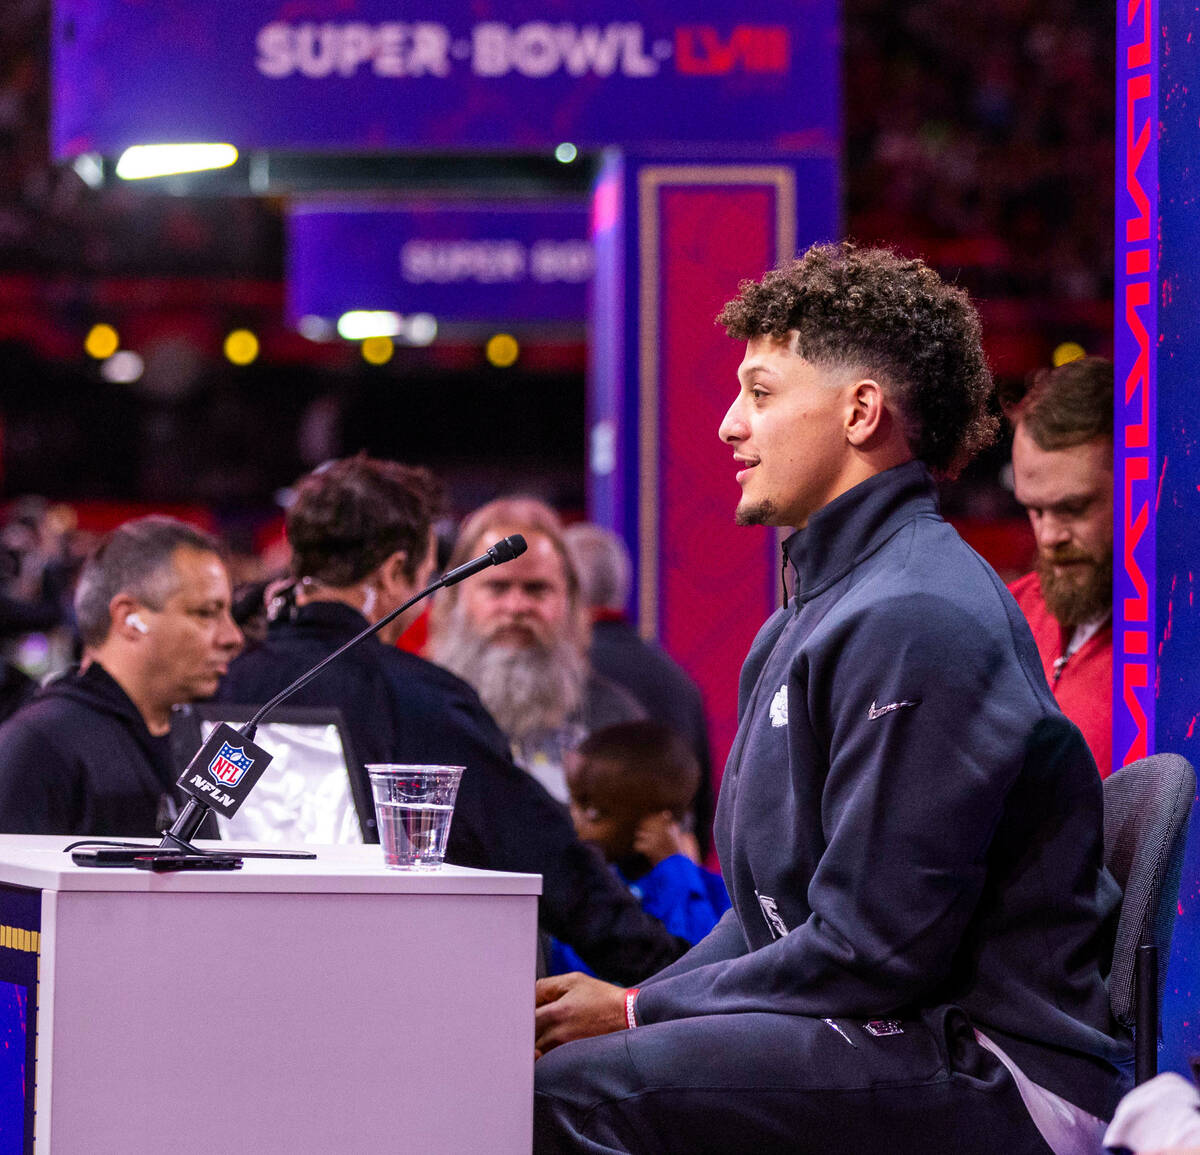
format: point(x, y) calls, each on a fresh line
point(393, 571)
point(867, 414)
point(125, 618)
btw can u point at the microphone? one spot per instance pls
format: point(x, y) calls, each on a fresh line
point(504, 550)
point(226, 767)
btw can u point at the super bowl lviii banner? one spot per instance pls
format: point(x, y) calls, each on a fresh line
point(459, 261)
point(441, 74)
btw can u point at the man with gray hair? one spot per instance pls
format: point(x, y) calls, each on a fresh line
point(90, 755)
point(618, 652)
point(519, 635)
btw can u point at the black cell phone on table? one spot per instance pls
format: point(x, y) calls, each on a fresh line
point(144, 859)
point(166, 862)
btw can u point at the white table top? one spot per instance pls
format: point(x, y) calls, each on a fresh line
point(39, 861)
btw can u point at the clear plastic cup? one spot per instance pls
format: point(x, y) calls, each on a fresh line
point(413, 806)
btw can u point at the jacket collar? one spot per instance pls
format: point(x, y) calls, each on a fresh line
point(332, 616)
point(856, 523)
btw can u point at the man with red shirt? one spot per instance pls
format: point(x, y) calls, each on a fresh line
point(1063, 476)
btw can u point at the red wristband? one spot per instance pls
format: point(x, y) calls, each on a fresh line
point(630, 996)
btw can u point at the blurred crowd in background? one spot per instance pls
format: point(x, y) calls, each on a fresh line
point(980, 138)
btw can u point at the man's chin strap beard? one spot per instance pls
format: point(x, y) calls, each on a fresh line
point(762, 513)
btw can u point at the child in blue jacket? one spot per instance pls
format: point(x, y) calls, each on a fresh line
point(631, 788)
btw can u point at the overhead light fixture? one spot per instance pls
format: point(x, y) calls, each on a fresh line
point(378, 350)
point(147, 160)
point(89, 167)
point(314, 328)
point(101, 342)
point(241, 347)
point(359, 324)
point(122, 368)
point(421, 329)
point(502, 350)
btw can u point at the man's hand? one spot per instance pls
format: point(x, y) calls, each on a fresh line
point(575, 1006)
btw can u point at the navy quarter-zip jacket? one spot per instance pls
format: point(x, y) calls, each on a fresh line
point(907, 820)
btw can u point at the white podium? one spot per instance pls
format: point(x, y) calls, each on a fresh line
point(291, 1007)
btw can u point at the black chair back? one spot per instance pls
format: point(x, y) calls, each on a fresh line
point(1147, 805)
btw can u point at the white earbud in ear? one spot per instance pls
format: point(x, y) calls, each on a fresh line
point(135, 620)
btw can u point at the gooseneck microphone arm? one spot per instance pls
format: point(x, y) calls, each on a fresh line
point(194, 811)
point(502, 551)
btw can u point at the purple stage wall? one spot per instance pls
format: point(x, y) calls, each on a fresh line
point(1156, 623)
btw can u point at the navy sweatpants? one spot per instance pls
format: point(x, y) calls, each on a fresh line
point(762, 1083)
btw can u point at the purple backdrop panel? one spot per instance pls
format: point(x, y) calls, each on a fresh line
point(612, 413)
point(1135, 329)
point(485, 262)
point(1159, 358)
point(442, 74)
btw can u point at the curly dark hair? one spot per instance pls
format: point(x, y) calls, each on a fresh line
point(351, 515)
point(1068, 405)
point(894, 318)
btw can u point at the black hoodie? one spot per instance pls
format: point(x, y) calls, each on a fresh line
point(78, 759)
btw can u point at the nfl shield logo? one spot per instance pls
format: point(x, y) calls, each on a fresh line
point(230, 764)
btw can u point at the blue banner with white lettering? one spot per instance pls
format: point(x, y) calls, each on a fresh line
point(378, 75)
point(481, 262)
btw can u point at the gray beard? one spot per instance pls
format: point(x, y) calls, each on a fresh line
point(528, 690)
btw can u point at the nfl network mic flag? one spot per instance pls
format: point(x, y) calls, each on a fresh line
point(224, 770)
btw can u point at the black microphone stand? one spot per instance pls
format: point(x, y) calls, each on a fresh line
point(194, 812)
point(176, 850)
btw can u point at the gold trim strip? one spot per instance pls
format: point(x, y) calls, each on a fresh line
point(16, 938)
point(650, 180)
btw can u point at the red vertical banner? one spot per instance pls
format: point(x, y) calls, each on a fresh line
point(706, 585)
point(673, 239)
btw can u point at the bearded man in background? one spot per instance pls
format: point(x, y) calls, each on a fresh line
point(1063, 476)
point(519, 634)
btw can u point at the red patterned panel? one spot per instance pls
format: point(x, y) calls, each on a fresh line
point(716, 580)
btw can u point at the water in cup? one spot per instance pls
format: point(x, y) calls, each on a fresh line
point(413, 834)
point(413, 808)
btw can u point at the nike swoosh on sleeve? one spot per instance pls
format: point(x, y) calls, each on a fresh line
point(879, 711)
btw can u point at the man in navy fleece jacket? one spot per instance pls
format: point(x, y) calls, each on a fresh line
point(910, 829)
